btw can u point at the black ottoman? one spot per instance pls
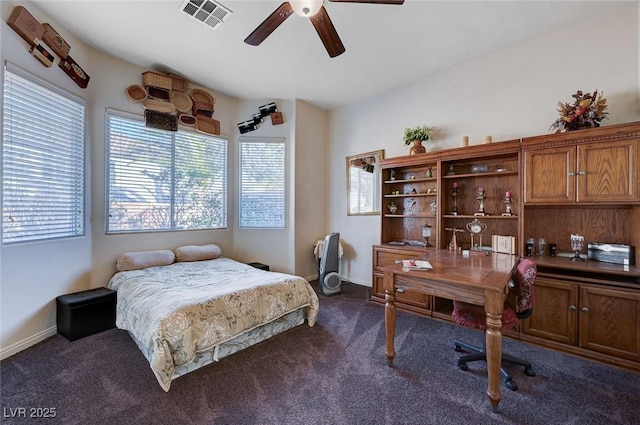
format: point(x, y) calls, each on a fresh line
point(85, 313)
point(260, 266)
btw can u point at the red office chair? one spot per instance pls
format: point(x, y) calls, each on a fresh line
point(474, 316)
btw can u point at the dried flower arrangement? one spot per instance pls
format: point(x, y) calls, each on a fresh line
point(586, 111)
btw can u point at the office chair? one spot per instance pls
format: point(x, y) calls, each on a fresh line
point(474, 316)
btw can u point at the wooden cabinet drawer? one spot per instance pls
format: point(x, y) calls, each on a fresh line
point(408, 300)
point(383, 258)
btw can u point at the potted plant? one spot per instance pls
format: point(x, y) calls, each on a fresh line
point(415, 136)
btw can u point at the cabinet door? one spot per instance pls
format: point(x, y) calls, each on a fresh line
point(549, 175)
point(555, 311)
point(610, 322)
point(608, 172)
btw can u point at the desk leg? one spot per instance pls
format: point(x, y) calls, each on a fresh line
point(390, 318)
point(494, 307)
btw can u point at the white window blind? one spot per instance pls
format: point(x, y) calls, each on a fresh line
point(262, 183)
point(163, 180)
point(42, 160)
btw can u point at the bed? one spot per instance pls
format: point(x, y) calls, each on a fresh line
point(186, 314)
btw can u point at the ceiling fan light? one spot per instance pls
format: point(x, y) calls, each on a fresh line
point(306, 8)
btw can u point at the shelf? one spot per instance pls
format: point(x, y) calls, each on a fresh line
point(488, 174)
point(410, 195)
point(409, 216)
point(485, 217)
point(425, 179)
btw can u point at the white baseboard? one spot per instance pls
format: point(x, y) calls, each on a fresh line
point(28, 342)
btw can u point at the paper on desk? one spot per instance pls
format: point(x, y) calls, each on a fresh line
point(416, 264)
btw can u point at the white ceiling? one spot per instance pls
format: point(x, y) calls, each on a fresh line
point(386, 45)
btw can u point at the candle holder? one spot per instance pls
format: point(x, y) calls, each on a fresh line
point(577, 243)
point(507, 202)
point(454, 194)
point(480, 197)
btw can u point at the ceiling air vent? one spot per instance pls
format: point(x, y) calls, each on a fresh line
point(206, 11)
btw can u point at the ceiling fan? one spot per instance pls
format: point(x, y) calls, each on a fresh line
point(315, 11)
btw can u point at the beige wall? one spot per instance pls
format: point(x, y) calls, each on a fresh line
point(509, 94)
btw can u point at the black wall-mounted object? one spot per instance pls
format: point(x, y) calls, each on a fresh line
point(247, 126)
point(268, 109)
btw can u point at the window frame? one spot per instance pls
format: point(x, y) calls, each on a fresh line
point(173, 227)
point(285, 182)
point(77, 143)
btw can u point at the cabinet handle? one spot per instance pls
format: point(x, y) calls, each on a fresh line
point(400, 290)
point(571, 174)
point(582, 173)
point(572, 307)
point(585, 309)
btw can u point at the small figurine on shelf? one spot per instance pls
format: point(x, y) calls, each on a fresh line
point(480, 197)
point(392, 208)
point(392, 174)
point(434, 207)
point(426, 234)
point(412, 205)
point(507, 201)
point(451, 171)
point(429, 173)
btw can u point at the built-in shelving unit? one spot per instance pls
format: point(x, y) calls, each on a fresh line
point(585, 182)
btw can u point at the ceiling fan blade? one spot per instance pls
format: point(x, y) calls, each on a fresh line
point(269, 25)
point(327, 32)
point(369, 1)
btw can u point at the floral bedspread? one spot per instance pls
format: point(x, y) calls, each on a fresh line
point(184, 308)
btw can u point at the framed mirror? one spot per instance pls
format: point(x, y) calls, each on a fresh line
point(363, 183)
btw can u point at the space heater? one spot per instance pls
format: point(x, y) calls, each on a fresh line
point(328, 278)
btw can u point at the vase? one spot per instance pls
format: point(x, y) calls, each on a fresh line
point(416, 147)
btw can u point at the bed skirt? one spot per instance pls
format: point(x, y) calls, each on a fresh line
point(240, 342)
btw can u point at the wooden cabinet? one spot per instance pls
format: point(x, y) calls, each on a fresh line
point(409, 200)
point(416, 193)
point(587, 318)
point(588, 166)
point(555, 314)
point(475, 185)
point(584, 182)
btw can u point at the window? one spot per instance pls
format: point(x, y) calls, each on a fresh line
point(163, 180)
point(262, 183)
point(42, 160)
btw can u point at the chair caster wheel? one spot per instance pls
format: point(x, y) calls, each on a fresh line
point(511, 385)
point(529, 372)
point(457, 347)
point(463, 366)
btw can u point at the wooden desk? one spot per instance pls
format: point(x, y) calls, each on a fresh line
point(477, 279)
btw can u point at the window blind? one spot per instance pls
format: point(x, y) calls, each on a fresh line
point(43, 160)
point(163, 180)
point(262, 183)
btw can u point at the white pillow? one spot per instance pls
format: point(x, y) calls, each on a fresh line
point(198, 252)
point(143, 259)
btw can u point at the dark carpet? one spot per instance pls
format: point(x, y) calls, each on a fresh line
point(333, 373)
